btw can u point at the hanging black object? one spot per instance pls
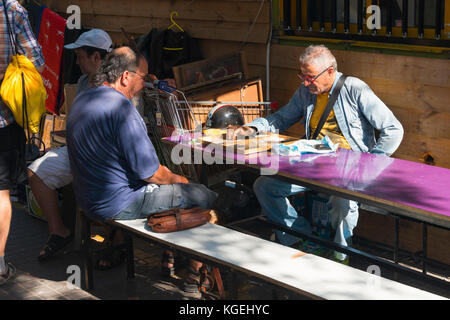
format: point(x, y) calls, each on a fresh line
point(166, 49)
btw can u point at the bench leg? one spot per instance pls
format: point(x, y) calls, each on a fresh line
point(78, 230)
point(87, 254)
point(130, 256)
point(232, 284)
point(396, 243)
point(424, 247)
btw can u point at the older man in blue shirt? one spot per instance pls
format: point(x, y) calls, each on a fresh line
point(351, 123)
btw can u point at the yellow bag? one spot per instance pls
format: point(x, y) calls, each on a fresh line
point(12, 92)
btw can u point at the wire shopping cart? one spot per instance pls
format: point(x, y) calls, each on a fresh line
point(172, 114)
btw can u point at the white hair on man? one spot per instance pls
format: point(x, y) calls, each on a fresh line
point(320, 56)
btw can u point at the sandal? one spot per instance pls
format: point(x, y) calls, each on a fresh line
point(110, 258)
point(198, 281)
point(206, 280)
point(192, 282)
point(10, 272)
point(167, 264)
point(54, 244)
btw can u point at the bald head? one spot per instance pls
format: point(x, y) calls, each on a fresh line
point(116, 63)
point(124, 51)
point(124, 70)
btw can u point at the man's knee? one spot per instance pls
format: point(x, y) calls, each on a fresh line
point(340, 209)
point(198, 195)
point(260, 186)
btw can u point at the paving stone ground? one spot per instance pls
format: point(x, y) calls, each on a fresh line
point(49, 280)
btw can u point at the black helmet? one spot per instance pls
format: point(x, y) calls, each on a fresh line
point(221, 116)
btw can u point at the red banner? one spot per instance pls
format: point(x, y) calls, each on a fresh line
point(51, 39)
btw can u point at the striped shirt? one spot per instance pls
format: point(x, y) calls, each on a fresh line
point(26, 45)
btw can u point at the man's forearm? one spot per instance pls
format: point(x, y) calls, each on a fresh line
point(164, 176)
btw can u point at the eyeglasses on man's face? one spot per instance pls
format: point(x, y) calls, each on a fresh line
point(309, 79)
point(143, 77)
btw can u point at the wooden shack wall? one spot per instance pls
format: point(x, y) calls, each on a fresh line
point(416, 89)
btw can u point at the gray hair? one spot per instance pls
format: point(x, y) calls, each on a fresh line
point(115, 64)
point(319, 56)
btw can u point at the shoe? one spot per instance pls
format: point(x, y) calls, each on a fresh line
point(54, 244)
point(110, 258)
point(191, 284)
point(314, 248)
point(168, 264)
point(114, 254)
point(337, 257)
point(198, 281)
point(10, 273)
point(341, 257)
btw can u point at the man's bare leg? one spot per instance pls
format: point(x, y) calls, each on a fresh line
point(48, 202)
point(5, 219)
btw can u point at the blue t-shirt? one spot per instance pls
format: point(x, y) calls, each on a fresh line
point(109, 151)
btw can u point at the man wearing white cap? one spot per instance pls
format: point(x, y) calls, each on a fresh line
point(52, 171)
point(90, 48)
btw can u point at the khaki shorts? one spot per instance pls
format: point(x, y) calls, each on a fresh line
point(53, 168)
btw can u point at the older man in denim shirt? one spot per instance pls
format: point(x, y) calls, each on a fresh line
point(351, 123)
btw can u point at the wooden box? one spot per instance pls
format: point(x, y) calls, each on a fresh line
point(209, 72)
point(51, 123)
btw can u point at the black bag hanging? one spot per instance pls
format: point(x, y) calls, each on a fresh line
point(169, 49)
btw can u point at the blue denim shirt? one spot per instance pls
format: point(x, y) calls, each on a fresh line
point(358, 112)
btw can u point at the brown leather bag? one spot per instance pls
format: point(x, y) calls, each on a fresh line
point(178, 219)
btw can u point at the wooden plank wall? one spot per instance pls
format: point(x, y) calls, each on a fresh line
point(416, 89)
point(203, 19)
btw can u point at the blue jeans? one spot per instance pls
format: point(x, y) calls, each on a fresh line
point(272, 195)
point(159, 198)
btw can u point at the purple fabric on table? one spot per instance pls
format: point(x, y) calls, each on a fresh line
point(407, 183)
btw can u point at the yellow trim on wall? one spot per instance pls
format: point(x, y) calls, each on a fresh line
point(367, 44)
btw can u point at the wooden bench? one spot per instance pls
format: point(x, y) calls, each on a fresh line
point(309, 275)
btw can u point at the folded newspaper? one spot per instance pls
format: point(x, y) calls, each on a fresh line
point(304, 146)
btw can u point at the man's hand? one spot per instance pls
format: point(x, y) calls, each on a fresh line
point(152, 77)
point(236, 132)
point(164, 176)
point(171, 82)
point(179, 179)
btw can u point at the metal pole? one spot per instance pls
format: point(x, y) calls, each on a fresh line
point(396, 243)
point(439, 11)
point(404, 18)
point(389, 17)
point(346, 16)
point(424, 246)
point(322, 15)
point(421, 18)
point(360, 16)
